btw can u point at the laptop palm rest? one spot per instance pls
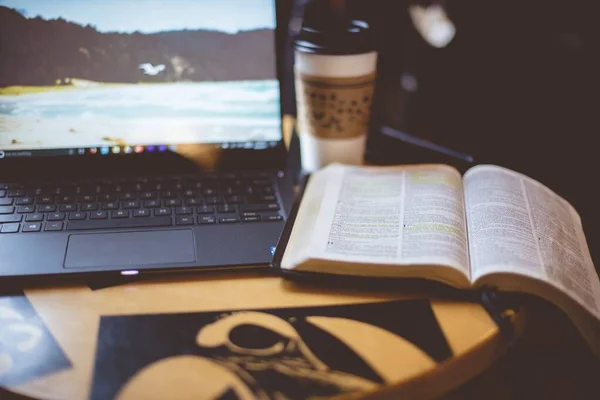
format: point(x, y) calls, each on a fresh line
point(130, 249)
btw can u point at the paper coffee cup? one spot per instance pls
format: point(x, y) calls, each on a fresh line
point(334, 97)
point(335, 70)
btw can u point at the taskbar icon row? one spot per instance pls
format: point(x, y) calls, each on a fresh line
point(106, 150)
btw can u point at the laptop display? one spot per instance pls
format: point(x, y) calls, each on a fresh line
point(106, 77)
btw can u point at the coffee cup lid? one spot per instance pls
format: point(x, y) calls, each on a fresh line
point(323, 32)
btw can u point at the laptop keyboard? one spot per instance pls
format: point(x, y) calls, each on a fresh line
point(141, 202)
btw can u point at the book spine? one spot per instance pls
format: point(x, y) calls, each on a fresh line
point(289, 225)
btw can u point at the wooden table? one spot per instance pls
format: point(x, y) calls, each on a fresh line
point(249, 335)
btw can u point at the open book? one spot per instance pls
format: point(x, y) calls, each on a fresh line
point(492, 227)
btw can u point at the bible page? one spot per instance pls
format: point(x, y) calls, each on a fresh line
point(517, 225)
point(411, 215)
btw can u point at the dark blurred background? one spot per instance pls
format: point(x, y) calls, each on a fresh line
point(518, 86)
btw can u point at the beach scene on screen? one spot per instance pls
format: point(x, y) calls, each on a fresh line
point(137, 72)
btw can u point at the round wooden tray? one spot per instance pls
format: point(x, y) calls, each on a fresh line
point(246, 335)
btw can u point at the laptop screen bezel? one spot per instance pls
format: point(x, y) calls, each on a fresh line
point(41, 168)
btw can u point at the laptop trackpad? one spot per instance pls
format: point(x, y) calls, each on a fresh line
point(130, 249)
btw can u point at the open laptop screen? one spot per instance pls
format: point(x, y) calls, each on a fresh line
point(133, 76)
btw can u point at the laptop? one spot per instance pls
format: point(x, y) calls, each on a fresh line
point(139, 137)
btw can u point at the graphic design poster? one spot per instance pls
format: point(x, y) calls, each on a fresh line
point(310, 352)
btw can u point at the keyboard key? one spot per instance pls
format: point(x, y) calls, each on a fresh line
point(186, 220)
point(32, 227)
point(53, 226)
point(250, 214)
point(259, 207)
point(190, 193)
point(214, 200)
point(129, 205)
point(25, 209)
point(169, 194)
point(184, 211)
point(10, 218)
point(87, 198)
point(45, 200)
point(102, 189)
point(2, 193)
point(55, 216)
point(148, 195)
point(173, 202)
point(122, 188)
point(152, 203)
point(120, 214)
point(205, 210)
point(175, 184)
point(77, 216)
point(226, 209)
point(141, 213)
point(228, 220)
point(47, 208)
point(211, 192)
point(271, 218)
point(66, 189)
point(3, 186)
point(6, 202)
point(110, 206)
point(261, 199)
point(68, 207)
point(9, 228)
point(39, 190)
point(153, 186)
point(24, 201)
point(236, 183)
point(37, 217)
point(65, 199)
point(162, 211)
point(193, 202)
point(7, 210)
point(87, 190)
point(99, 215)
point(16, 193)
point(209, 180)
point(250, 219)
point(235, 200)
point(128, 196)
point(268, 190)
point(119, 223)
point(89, 207)
point(107, 198)
point(236, 190)
point(206, 219)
